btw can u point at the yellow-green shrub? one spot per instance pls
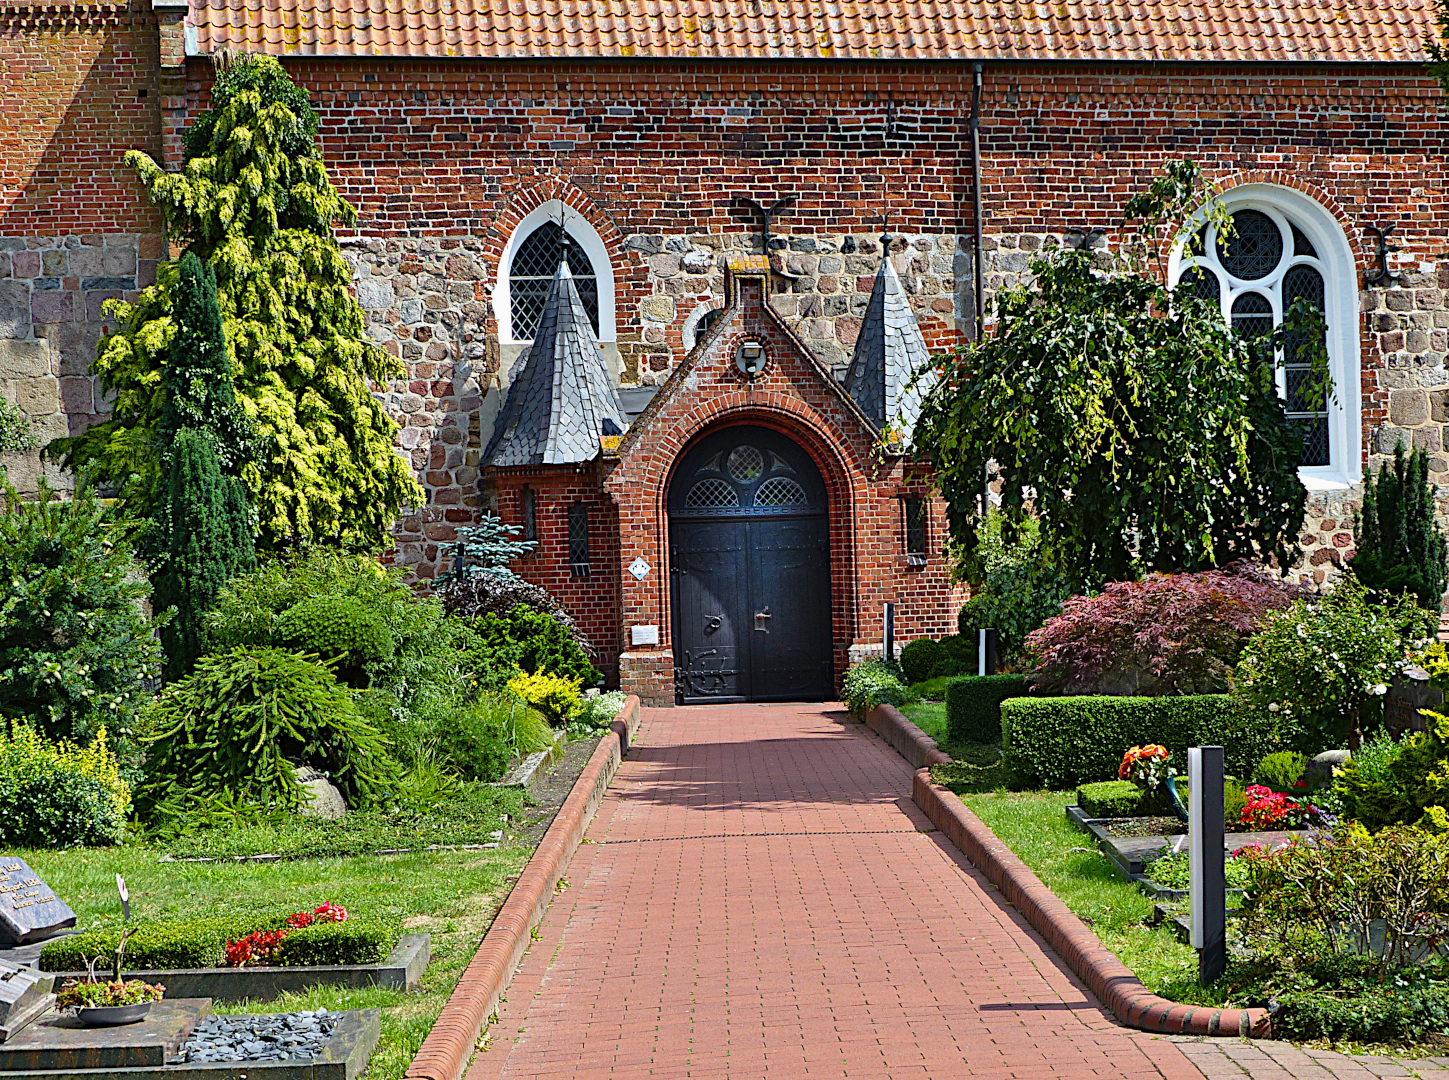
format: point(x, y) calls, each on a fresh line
point(556, 697)
point(58, 794)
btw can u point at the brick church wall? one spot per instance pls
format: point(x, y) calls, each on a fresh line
point(82, 87)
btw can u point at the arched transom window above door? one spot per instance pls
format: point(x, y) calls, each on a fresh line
point(532, 257)
point(1285, 246)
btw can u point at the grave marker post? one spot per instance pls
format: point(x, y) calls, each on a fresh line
point(1207, 874)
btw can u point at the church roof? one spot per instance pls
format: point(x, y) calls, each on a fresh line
point(1172, 30)
point(889, 351)
point(560, 402)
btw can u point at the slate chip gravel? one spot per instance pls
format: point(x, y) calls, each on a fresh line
point(280, 1037)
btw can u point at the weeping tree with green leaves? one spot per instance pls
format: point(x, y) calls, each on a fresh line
point(202, 532)
point(253, 200)
point(1128, 419)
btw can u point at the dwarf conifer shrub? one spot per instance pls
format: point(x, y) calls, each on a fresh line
point(240, 722)
point(76, 649)
point(339, 629)
point(919, 657)
point(1400, 547)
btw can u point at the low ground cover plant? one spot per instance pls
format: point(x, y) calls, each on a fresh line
point(1171, 870)
point(95, 994)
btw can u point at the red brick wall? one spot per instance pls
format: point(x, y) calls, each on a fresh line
point(81, 87)
point(793, 396)
point(592, 601)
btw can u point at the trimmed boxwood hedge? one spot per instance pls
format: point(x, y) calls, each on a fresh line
point(1061, 742)
point(201, 943)
point(1111, 799)
point(973, 706)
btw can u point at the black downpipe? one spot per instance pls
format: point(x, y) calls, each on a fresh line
point(976, 199)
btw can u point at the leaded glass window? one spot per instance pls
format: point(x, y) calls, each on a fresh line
point(534, 264)
point(913, 509)
point(530, 514)
point(579, 540)
point(1256, 274)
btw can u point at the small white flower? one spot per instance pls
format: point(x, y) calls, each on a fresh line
point(1274, 707)
point(1378, 689)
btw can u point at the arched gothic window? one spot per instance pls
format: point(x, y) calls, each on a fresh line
point(1279, 252)
point(534, 265)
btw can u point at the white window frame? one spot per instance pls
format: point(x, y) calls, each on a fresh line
point(581, 233)
point(1340, 283)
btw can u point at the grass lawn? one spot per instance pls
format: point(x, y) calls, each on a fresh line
point(1035, 827)
point(930, 717)
point(451, 895)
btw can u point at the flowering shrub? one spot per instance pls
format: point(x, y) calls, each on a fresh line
point(1330, 894)
point(1165, 634)
point(1146, 766)
point(256, 948)
point(1267, 809)
point(260, 946)
point(1322, 667)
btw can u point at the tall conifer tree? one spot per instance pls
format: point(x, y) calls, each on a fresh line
point(253, 200)
point(1399, 545)
point(202, 532)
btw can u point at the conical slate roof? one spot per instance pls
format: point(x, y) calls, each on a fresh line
point(888, 352)
point(564, 398)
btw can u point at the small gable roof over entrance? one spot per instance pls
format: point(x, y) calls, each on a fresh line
point(889, 353)
point(1382, 31)
point(563, 400)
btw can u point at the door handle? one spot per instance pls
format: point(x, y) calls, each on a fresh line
point(762, 619)
point(713, 623)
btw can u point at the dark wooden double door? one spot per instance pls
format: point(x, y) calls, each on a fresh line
point(750, 551)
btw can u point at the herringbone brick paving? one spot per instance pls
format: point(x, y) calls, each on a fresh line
point(758, 896)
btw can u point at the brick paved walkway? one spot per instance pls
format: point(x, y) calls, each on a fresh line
point(761, 898)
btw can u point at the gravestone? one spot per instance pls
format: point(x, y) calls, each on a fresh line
point(29, 908)
point(1408, 693)
point(24, 995)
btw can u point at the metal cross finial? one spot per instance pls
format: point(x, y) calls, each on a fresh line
point(766, 216)
point(885, 232)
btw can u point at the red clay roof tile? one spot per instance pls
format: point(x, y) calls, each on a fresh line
point(1229, 30)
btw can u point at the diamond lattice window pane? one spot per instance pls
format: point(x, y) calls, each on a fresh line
point(1202, 282)
point(781, 493)
point(534, 265)
point(746, 463)
point(1315, 440)
point(712, 494)
point(1252, 315)
point(579, 540)
point(1255, 248)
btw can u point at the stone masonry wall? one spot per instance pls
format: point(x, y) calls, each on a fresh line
point(51, 292)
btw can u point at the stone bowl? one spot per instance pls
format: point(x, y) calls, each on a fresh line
point(114, 1015)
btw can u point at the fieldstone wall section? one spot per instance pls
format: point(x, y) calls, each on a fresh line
point(821, 288)
point(424, 302)
point(51, 292)
point(1410, 323)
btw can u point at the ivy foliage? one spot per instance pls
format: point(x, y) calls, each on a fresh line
point(1400, 546)
point(253, 200)
point(1139, 430)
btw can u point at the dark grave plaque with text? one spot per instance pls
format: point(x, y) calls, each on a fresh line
point(29, 908)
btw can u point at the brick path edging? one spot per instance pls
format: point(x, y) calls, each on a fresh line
point(446, 1050)
point(1096, 965)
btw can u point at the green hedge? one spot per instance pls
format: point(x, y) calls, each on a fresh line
point(973, 706)
point(201, 942)
point(1064, 741)
point(356, 941)
point(1112, 798)
point(180, 943)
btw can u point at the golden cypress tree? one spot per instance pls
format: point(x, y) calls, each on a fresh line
point(253, 200)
